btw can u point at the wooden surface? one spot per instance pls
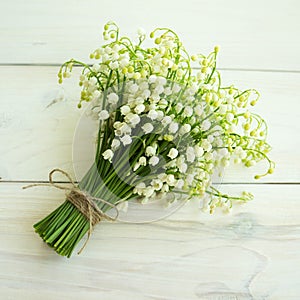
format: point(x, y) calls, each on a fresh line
point(252, 253)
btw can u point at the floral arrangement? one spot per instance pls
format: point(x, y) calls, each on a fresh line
point(163, 127)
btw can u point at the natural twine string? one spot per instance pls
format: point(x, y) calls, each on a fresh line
point(84, 202)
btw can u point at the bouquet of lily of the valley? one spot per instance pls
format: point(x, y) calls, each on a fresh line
point(163, 127)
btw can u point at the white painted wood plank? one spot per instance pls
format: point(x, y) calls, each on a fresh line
point(253, 253)
point(252, 34)
point(36, 139)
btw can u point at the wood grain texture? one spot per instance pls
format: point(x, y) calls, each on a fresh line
point(251, 254)
point(252, 34)
point(36, 137)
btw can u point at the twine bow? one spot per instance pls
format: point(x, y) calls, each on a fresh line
point(83, 201)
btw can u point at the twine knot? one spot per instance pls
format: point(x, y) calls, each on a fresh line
point(82, 200)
